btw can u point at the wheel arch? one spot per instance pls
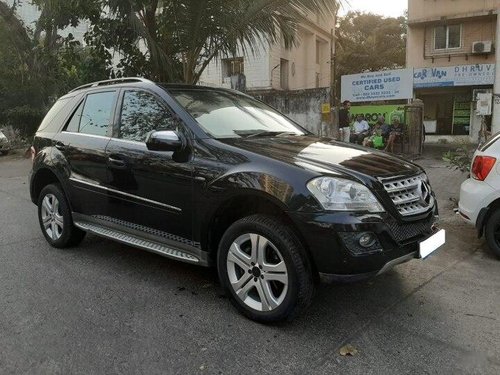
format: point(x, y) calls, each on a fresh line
point(41, 178)
point(243, 205)
point(484, 215)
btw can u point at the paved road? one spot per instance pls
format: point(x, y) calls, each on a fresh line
point(107, 308)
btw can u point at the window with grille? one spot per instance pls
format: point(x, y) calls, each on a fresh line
point(447, 37)
point(231, 67)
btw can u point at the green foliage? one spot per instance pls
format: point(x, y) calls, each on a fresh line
point(460, 158)
point(165, 40)
point(38, 67)
point(24, 118)
point(182, 36)
point(369, 42)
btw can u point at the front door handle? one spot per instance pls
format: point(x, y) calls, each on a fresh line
point(116, 162)
point(60, 146)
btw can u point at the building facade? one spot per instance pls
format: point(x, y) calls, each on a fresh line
point(453, 46)
point(273, 67)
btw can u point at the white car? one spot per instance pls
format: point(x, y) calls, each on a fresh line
point(480, 194)
point(4, 144)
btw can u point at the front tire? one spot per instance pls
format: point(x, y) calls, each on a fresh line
point(55, 218)
point(264, 269)
point(492, 232)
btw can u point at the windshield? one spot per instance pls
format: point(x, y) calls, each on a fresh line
point(227, 115)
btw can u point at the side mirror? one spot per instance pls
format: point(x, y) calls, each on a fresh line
point(165, 140)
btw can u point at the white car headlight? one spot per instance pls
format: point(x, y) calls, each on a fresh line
point(336, 194)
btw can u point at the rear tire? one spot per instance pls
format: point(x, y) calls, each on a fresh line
point(55, 218)
point(492, 232)
point(264, 269)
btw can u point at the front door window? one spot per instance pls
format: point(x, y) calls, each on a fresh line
point(141, 114)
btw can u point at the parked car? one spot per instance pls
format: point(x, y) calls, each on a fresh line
point(479, 202)
point(5, 145)
point(214, 177)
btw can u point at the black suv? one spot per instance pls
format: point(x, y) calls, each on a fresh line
point(214, 177)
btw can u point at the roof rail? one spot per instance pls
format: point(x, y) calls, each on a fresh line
point(111, 82)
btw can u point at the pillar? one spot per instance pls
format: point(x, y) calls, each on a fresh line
point(495, 123)
point(414, 114)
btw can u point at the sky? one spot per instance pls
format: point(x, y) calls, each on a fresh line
point(388, 8)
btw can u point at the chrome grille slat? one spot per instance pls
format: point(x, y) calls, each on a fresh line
point(398, 200)
point(406, 195)
point(394, 187)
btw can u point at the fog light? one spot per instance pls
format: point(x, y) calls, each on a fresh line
point(367, 239)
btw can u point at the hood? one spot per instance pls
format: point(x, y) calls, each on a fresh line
point(333, 156)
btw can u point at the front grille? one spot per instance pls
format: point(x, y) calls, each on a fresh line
point(405, 232)
point(411, 195)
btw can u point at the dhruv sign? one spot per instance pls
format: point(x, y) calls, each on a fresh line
point(459, 75)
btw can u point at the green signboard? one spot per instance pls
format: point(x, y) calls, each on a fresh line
point(372, 112)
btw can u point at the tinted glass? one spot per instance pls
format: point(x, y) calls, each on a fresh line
point(74, 123)
point(97, 113)
point(141, 114)
point(54, 111)
point(227, 115)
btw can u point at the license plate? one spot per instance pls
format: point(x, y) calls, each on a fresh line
point(431, 244)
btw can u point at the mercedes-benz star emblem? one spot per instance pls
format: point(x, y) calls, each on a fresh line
point(425, 192)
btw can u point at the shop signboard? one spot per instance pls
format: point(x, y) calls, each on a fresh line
point(384, 85)
point(372, 112)
point(450, 76)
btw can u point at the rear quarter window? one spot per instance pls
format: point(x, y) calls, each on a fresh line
point(55, 118)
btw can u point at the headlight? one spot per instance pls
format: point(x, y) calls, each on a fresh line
point(336, 194)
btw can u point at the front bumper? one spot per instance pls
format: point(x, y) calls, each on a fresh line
point(334, 278)
point(332, 239)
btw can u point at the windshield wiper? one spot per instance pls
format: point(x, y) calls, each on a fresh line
point(267, 133)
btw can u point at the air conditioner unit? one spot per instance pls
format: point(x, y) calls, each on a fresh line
point(480, 47)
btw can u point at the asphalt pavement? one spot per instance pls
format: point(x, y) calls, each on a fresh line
point(106, 308)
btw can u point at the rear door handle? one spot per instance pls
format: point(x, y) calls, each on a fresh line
point(116, 162)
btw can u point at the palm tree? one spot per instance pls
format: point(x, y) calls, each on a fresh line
point(183, 36)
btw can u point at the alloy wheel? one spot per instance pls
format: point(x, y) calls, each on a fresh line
point(52, 219)
point(257, 272)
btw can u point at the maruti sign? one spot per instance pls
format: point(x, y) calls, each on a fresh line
point(460, 75)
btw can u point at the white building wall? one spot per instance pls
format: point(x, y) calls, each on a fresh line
point(263, 71)
point(256, 69)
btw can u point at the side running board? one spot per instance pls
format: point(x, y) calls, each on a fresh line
point(130, 239)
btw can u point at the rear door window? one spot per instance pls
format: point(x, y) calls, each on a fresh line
point(94, 115)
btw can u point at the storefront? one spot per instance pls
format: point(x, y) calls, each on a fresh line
point(449, 95)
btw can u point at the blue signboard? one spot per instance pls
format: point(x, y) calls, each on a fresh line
point(459, 75)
